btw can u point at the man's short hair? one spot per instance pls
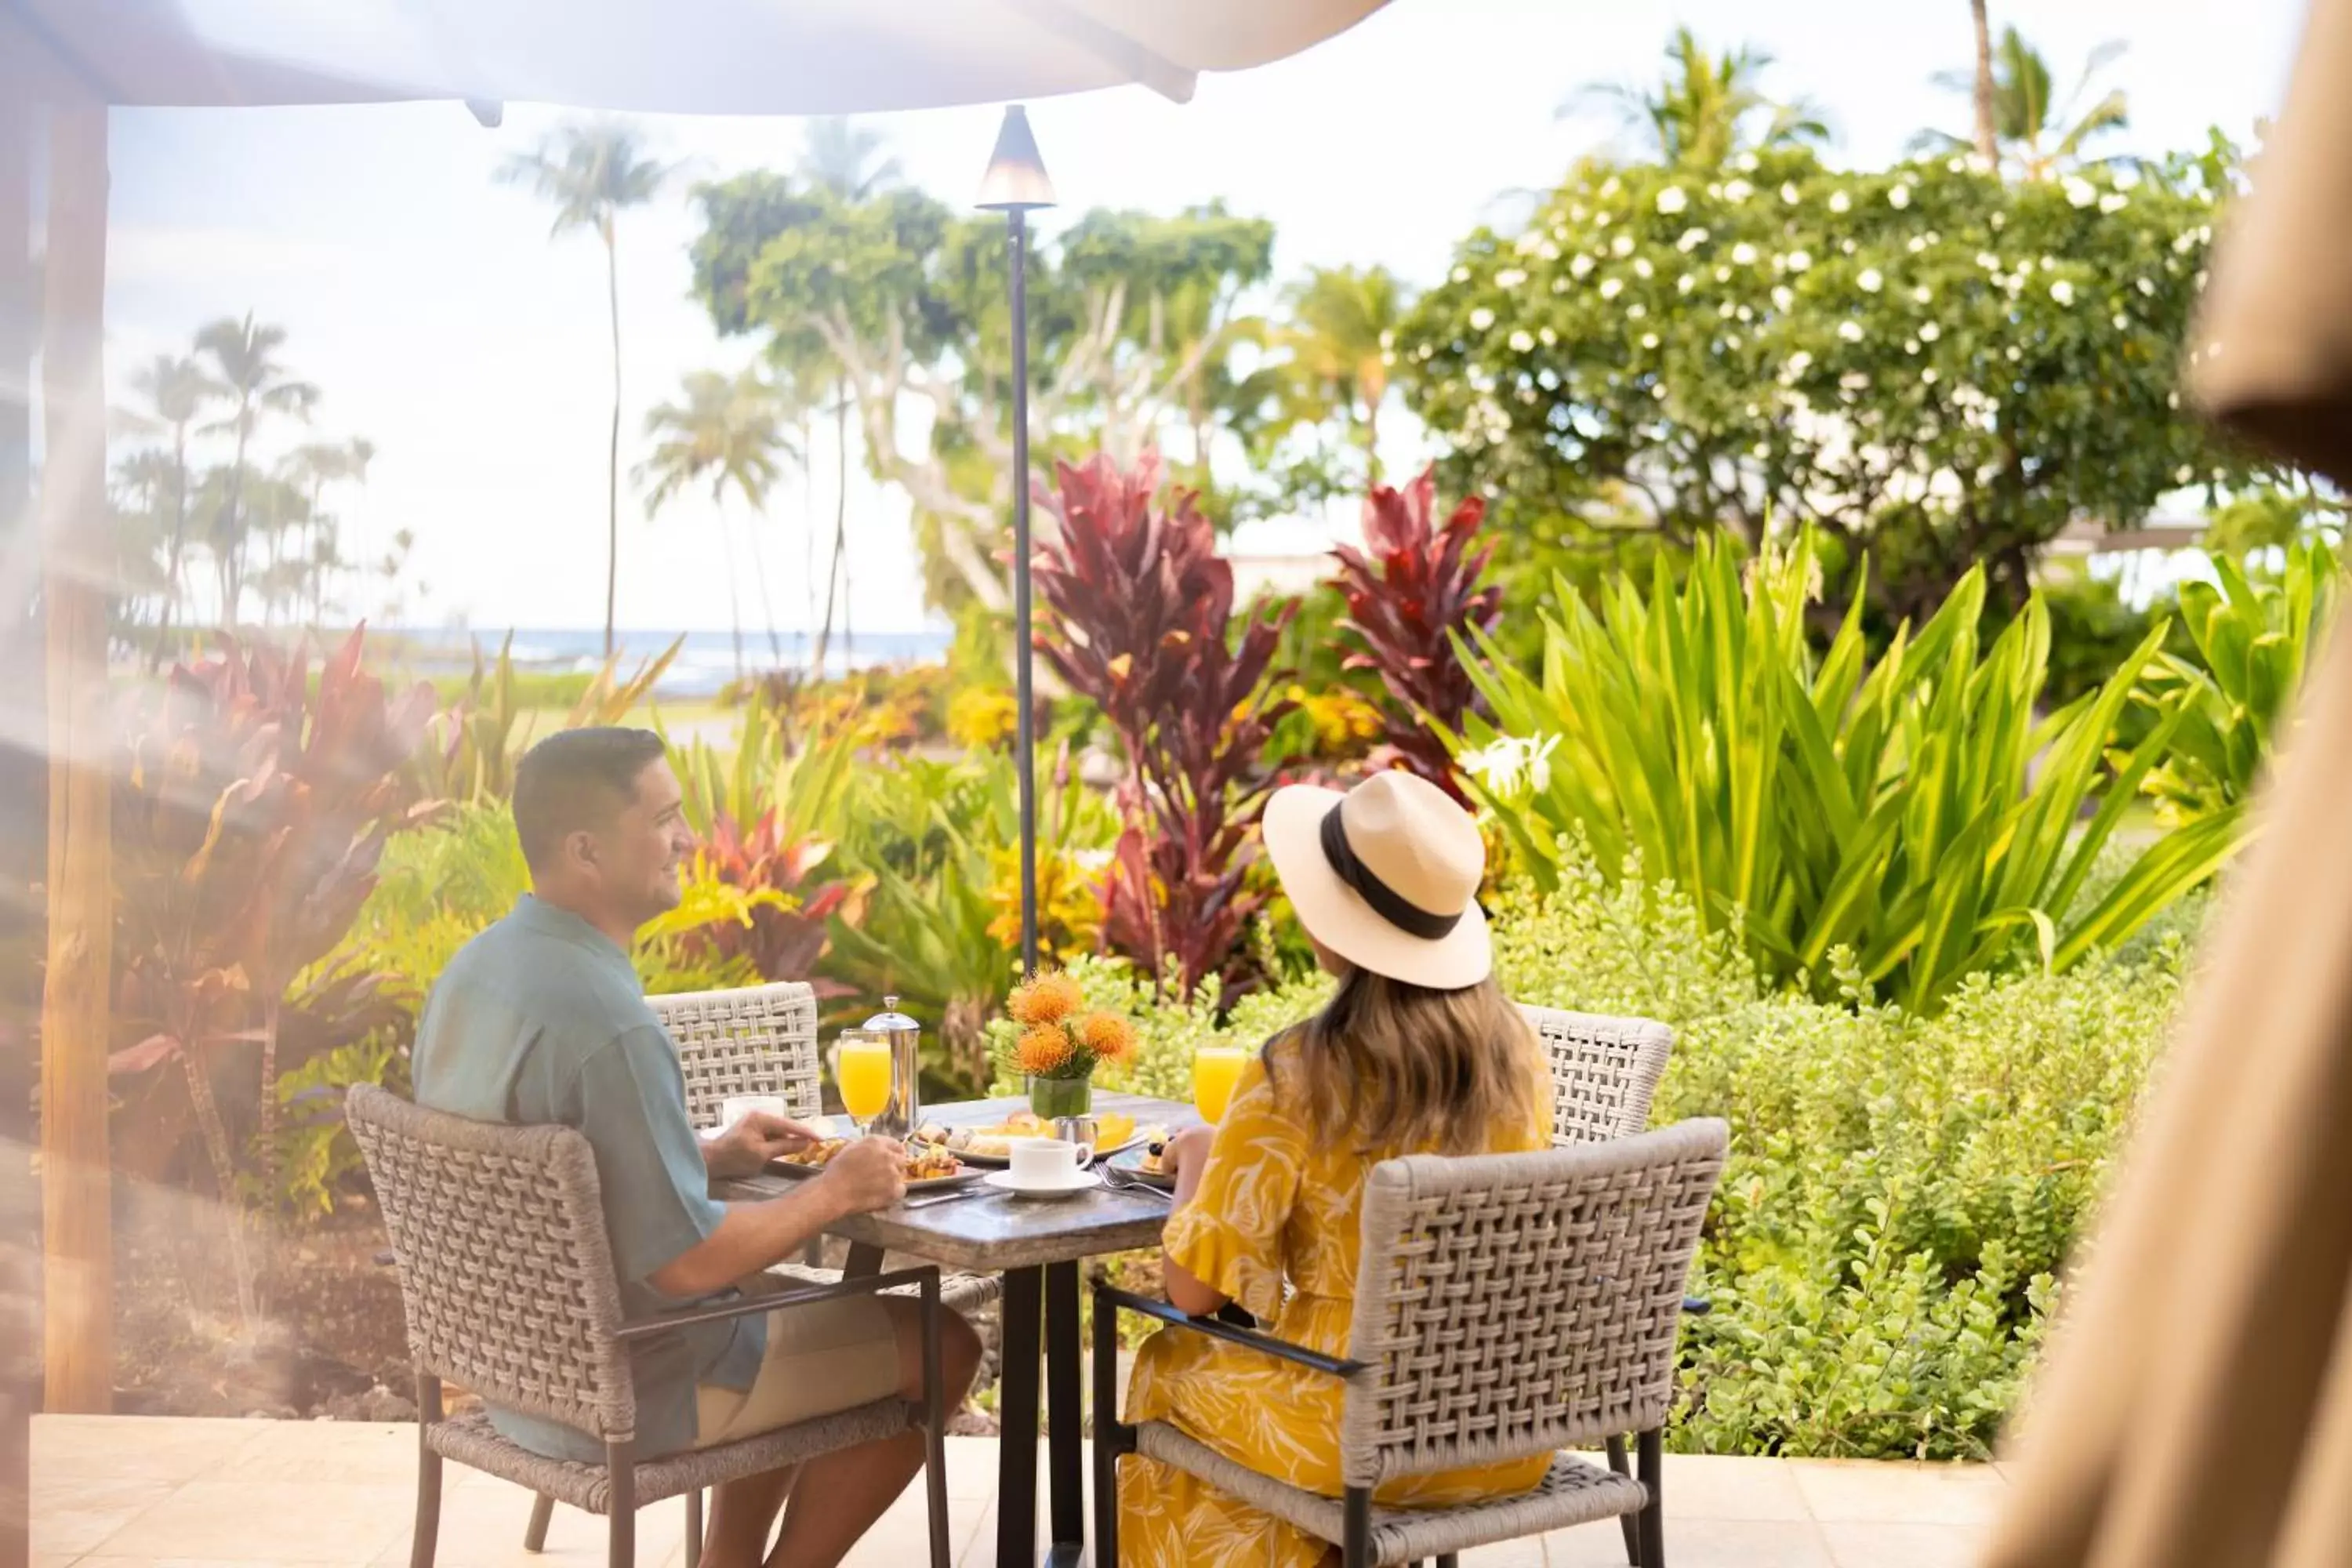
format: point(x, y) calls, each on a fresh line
point(577, 779)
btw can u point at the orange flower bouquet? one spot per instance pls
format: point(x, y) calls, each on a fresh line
point(1061, 1042)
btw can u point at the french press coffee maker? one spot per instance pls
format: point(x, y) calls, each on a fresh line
point(905, 1112)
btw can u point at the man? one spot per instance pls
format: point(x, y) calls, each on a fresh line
point(541, 1019)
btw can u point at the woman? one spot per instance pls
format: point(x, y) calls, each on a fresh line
point(1417, 1052)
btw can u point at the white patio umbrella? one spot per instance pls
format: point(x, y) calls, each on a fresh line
point(64, 62)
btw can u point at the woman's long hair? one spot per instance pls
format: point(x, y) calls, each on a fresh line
point(1387, 1065)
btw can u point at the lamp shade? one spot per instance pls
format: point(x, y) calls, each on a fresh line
point(1016, 179)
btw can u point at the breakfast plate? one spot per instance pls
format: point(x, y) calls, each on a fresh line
point(992, 1145)
point(927, 1171)
point(1136, 1161)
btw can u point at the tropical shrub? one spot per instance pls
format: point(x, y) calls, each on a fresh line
point(1140, 607)
point(1930, 364)
point(2253, 641)
point(1915, 809)
point(249, 818)
point(1411, 591)
point(470, 747)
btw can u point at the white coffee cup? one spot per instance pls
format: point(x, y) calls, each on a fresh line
point(736, 1107)
point(1043, 1162)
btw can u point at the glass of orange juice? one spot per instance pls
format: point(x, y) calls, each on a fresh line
point(1215, 1070)
point(861, 1065)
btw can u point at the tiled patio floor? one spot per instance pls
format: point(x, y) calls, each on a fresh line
point(137, 1492)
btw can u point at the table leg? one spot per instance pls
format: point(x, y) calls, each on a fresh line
point(1019, 1316)
point(862, 1263)
point(1065, 1416)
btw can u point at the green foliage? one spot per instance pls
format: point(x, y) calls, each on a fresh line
point(471, 746)
point(1925, 360)
point(316, 1154)
point(1916, 811)
point(2228, 701)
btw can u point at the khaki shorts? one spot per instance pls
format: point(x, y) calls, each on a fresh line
point(824, 1357)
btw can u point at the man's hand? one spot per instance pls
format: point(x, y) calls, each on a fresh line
point(745, 1149)
point(869, 1175)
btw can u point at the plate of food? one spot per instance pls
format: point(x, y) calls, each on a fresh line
point(992, 1144)
point(928, 1165)
point(1148, 1159)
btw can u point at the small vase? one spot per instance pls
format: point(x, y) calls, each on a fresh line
point(1054, 1097)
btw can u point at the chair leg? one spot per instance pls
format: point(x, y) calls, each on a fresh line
point(935, 1424)
point(694, 1527)
point(621, 1467)
point(1626, 1522)
point(534, 1534)
point(1110, 1438)
point(1652, 1446)
point(1356, 1549)
point(427, 1536)
point(1449, 1561)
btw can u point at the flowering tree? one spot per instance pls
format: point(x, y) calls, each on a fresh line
point(1925, 361)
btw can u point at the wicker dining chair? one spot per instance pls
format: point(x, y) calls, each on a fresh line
point(1507, 1305)
point(1604, 1071)
point(506, 1277)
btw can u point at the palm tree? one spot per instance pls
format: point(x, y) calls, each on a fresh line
point(729, 432)
point(245, 356)
point(590, 174)
point(177, 391)
point(2026, 119)
point(1708, 108)
point(1342, 321)
point(311, 468)
point(843, 158)
point(1981, 88)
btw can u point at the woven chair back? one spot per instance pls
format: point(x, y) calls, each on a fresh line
point(759, 1039)
point(1603, 1072)
point(1513, 1304)
point(505, 1270)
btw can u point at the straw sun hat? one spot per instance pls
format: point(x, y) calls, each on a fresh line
point(1386, 876)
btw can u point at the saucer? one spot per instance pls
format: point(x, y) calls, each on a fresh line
point(1083, 1181)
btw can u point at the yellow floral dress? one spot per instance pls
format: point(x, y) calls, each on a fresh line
point(1272, 1204)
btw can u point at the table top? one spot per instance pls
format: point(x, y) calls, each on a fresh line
point(991, 1230)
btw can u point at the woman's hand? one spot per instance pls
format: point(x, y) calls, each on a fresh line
point(1187, 1157)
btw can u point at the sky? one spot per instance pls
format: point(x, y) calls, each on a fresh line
point(429, 305)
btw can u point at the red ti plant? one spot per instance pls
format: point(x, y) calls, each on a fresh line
point(1141, 608)
point(783, 942)
point(250, 817)
point(1410, 591)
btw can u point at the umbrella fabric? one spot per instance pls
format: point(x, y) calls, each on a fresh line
point(676, 57)
point(2195, 1407)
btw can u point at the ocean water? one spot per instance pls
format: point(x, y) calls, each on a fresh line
point(705, 664)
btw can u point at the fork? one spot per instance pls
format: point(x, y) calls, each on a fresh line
point(1127, 1181)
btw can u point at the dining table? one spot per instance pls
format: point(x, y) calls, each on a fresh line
point(1037, 1245)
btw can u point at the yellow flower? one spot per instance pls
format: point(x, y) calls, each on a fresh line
point(1109, 1037)
point(1047, 998)
point(1044, 1048)
point(983, 716)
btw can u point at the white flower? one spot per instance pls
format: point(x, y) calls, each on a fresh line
point(1869, 281)
point(2185, 242)
point(1547, 337)
point(1850, 330)
point(1692, 239)
point(1723, 275)
point(1899, 197)
point(1659, 391)
point(1522, 342)
point(1610, 186)
point(2015, 354)
point(2122, 323)
point(2173, 400)
point(1737, 191)
point(1461, 275)
point(1744, 254)
point(1636, 310)
point(1954, 166)
point(1800, 259)
point(1798, 363)
point(1724, 310)
point(1642, 267)
point(2114, 202)
point(1745, 315)
point(1649, 340)
point(1930, 332)
point(1789, 192)
point(1854, 380)
point(2063, 291)
point(2079, 190)
point(1910, 345)
point(1673, 199)
point(1559, 285)
point(1988, 261)
point(1840, 202)
point(1600, 220)
point(1509, 278)
point(1481, 318)
point(2184, 475)
point(1549, 251)
point(2147, 287)
point(1423, 352)
point(1783, 297)
point(1685, 283)
point(1582, 265)
point(1526, 244)
point(1745, 162)
point(1731, 341)
point(1622, 246)
point(1510, 764)
point(1929, 375)
point(1999, 220)
point(1922, 294)
point(1611, 287)
point(1916, 244)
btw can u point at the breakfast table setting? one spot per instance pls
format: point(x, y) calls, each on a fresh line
point(1025, 1186)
